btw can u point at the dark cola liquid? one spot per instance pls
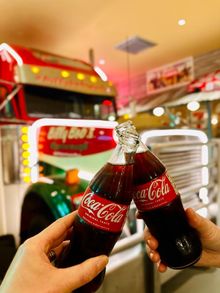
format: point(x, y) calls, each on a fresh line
point(112, 182)
point(179, 244)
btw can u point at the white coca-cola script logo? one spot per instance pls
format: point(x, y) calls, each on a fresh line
point(110, 212)
point(155, 190)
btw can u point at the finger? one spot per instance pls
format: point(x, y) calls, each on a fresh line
point(51, 255)
point(56, 233)
point(69, 233)
point(154, 256)
point(58, 250)
point(83, 273)
point(150, 240)
point(205, 227)
point(161, 267)
point(208, 260)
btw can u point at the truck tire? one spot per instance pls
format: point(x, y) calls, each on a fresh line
point(37, 223)
point(35, 216)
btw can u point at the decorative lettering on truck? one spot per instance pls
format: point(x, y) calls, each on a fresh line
point(76, 141)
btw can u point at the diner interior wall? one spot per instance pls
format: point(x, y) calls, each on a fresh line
point(71, 28)
point(203, 64)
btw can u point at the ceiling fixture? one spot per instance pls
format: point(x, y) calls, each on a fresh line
point(181, 22)
point(214, 120)
point(135, 45)
point(158, 111)
point(193, 106)
point(102, 61)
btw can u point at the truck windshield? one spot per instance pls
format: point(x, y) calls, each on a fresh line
point(49, 102)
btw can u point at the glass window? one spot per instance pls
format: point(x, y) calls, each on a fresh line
point(50, 102)
point(7, 111)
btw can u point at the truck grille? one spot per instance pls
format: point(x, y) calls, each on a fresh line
point(192, 164)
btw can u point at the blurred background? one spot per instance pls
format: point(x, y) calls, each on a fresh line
point(90, 65)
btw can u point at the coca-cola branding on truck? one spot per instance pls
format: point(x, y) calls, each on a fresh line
point(102, 213)
point(154, 194)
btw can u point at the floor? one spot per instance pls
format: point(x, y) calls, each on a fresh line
point(194, 281)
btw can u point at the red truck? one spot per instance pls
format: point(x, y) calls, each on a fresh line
point(57, 117)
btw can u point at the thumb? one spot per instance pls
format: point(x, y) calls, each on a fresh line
point(201, 224)
point(78, 275)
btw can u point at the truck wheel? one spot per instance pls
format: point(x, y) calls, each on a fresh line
point(37, 223)
point(35, 216)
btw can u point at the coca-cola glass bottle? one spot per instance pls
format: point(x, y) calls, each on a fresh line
point(103, 209)
point(159, 203)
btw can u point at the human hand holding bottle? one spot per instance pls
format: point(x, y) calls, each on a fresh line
point(32, 271)
point(209, 235)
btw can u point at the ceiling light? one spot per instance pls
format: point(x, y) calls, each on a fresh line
point(181, 22)
point(193, 106)
point(135, 45)
point(102, 61)
point(214, 120)
point(158, 111)
point(111, 118)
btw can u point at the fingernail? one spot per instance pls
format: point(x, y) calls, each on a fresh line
point(102, 261)
point(151, 255)
point(192, 211)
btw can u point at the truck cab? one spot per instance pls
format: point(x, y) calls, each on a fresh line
point(57, 117)
point(36, 84)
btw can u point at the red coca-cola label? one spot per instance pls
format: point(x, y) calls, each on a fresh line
point(102, 213)
point(154, 194)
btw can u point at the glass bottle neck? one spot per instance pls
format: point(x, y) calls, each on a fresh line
point(128, 141)
point(142, 148)
point(121, 157)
